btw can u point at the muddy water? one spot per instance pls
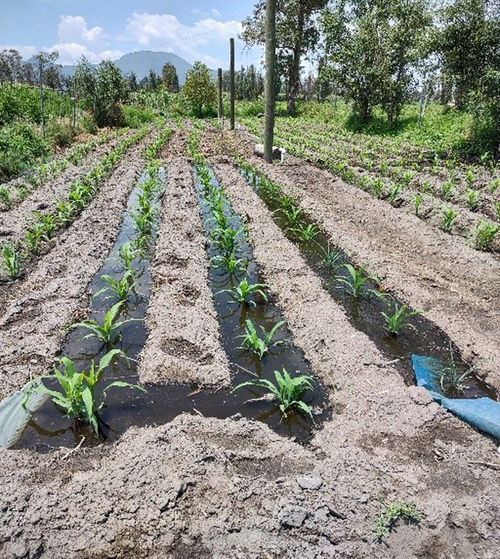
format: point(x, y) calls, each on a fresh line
point(125, 407)
point(365, 311)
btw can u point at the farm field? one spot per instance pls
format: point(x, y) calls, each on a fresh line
point(165, 227)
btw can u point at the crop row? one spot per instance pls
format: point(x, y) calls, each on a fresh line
point(452, 217)
point(15, 192)
point(44, 227)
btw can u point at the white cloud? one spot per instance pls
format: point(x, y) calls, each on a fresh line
point(165, 31)
point(74, 28)
point(70, 53)
point(215, 12)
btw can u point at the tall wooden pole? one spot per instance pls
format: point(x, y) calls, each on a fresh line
point(231, 83)
point(219, 76)
point(40, 76)
point(270, 71)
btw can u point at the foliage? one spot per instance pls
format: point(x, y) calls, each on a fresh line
point(486, 232)
point(11, 260)
point(393, 512)
point(104, 90)
point(252, 341)
point(78, 398)
point(20, 147)
point(370, 49)
point(451, 380)
point(356, 279)
point(119, 288)
point(397, 320)
point(244, 290)
point(296, 36)
point(199, 90)
point(109, 331)
point(287, 390)
point(170, 78)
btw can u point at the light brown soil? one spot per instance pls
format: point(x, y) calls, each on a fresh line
point(232, 489)
point(183, 344)
point(53, 295)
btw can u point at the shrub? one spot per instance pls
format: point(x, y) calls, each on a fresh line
point(20, 147)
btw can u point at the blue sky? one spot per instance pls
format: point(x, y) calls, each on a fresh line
point(97, 29)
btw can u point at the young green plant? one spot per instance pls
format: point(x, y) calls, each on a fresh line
point(287, 390)
point(252, 341)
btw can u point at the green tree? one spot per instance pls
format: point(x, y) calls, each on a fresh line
point(297, 36)
point(199, 89)
point(170, 78)
point(469, 43)
point(10, 65)
point(371, 47)
point(104, 90)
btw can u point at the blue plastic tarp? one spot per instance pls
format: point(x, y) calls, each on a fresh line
point(482, 413)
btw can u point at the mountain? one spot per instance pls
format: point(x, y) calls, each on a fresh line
point(142, 61)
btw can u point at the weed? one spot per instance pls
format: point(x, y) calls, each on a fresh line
point(393, 512)
point(451, 380)
point(287, 390)
point(356, 279)
point(486, 231)
point(417, 201)
point(11, 261)
point(449, 216)
point(78, 399)
point(5, 196)
point(252, 341)
point(109, 331)
point(120, 288)
point(244, 290)
point(331, 259)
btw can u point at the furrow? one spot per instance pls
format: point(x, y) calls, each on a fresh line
point(54, 294)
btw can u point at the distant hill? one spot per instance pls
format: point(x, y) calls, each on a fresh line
point(141, 62)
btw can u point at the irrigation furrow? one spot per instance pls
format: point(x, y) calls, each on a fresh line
point(43, 198)
point(50, 298)
point(183, 342)
point(456, 286)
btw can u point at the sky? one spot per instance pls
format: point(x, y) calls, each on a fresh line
point(99, 29)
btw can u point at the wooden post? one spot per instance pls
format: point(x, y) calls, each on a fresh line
point(231, 83)
point(270, 71)
point(40, 71)
point(219, 75)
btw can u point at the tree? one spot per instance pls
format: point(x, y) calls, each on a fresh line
point(131, 80)
point(10, 65)
point(44, 59)
point(469, 43)
point(297, 36)
point(199, 89)
point(170, 78)
point(104, 88)
point(371, 46)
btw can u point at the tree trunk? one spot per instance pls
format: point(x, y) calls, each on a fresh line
point(270, 73)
